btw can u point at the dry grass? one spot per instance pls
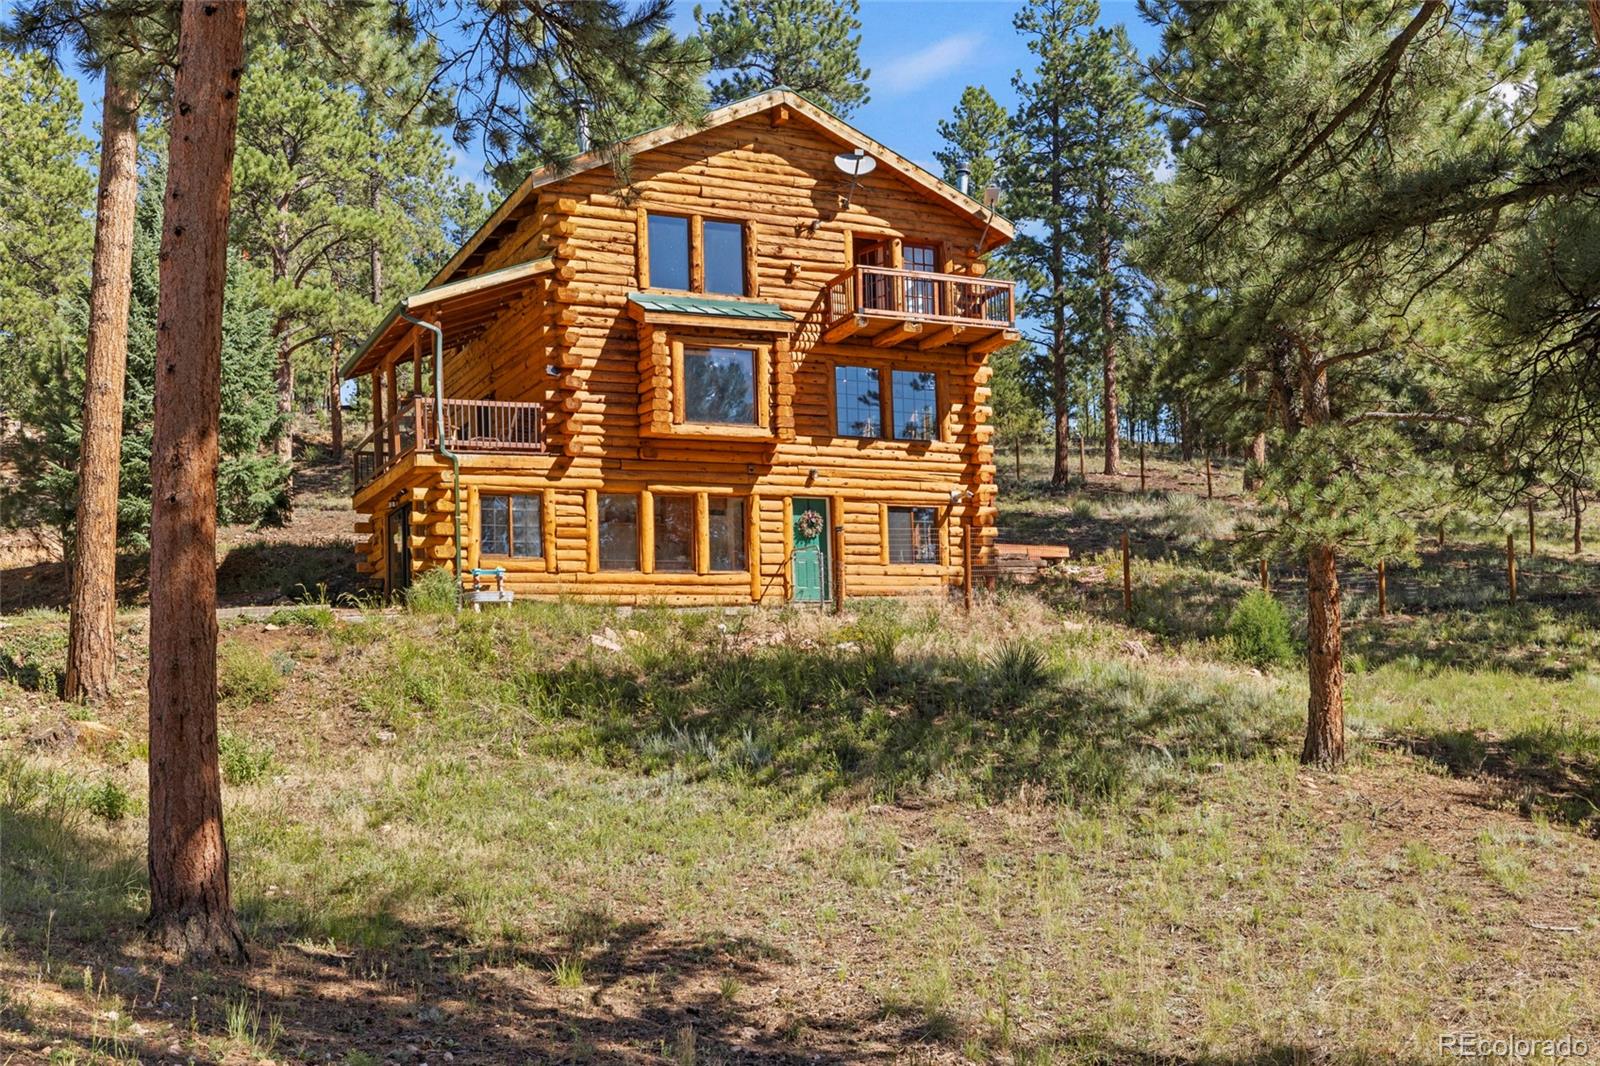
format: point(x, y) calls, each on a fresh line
point(778, 836)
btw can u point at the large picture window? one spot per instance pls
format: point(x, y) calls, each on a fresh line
point(719, 385)
point(669, 252)
point(915, 406)
point(858, 401)
point(619, 531)
point(724, 255)
point(674, 533)
point(511, 525)
point(913, 535)
point(727, 543)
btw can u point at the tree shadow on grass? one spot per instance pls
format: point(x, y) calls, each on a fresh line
point(1552, 772)
point(600, 990)
point(866, 717)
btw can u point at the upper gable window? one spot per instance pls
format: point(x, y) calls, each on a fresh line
point(724, 250)
point(691, 254)
point(669, 252)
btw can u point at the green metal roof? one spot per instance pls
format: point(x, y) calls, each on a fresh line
point(708, 306)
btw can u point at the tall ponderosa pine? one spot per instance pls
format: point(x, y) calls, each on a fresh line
point(191, 908)
point(1271, 106)
point(322, 183)
point(124, 43)
point(976, 137)
point(810, 46)
point(1081, 163)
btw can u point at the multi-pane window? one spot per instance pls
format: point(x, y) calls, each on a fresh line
point(724, 256)
point(908, 410)
point(670, 245)
point(858, 402)
point(726, 514)
point(669, 252)
point(915, 409)
point(619, 531)
point(913, 535)
point(511, 525)
point(922, 296)
point(719, 385)
point(674, 530)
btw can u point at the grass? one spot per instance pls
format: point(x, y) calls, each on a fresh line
point(1040, 834)
point(1005, 837)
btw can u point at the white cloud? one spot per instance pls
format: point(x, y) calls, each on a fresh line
point(916, 69)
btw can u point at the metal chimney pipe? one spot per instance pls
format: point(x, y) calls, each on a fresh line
point(964, 179)
point(583, 128)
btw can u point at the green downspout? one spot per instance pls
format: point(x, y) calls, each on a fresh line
point(444, 449)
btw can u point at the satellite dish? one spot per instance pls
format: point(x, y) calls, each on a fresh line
point(855, 163)
point(991, 196)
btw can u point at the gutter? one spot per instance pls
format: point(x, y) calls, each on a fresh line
point(444, 449)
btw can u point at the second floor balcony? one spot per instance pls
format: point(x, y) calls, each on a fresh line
point(470, 426)
point(893, 307)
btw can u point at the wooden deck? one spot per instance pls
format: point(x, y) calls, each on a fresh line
point(894, 308)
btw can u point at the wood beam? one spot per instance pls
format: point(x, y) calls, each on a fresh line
point(848, 328)
point(941, 337)
point(993, 343)
point(899, 333)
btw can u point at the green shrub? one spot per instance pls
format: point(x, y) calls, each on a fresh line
point(313, 615)
point(1258, 630)
point(245, 675)
point(243, 762)
point(432, 593)
point(107, 800)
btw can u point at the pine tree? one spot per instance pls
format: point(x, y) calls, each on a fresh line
point(1272, 144)
point(124, 42)
point(810, 46)
point(1079, 169)
point(45, 234)
point(976, 136)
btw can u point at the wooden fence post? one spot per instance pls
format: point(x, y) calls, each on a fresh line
point(1127, 579)
point(1511, 566)
point(966, 566)
point(1383, 589)
point(838, 566)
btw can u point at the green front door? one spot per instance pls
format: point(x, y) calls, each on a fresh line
point(810, 558)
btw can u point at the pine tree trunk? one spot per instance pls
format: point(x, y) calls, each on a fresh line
point(1325, 709)
point(285, 383)
point(1108, 324)
point(1061, 472)
point(1258, 458)
point(336, 406)
point(1185, 431)
point(91, 641)
point(191, 912)
point(1577, 522)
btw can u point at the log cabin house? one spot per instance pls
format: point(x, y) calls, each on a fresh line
point(743, 375)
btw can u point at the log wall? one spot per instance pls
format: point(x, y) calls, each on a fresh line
point(572, 345)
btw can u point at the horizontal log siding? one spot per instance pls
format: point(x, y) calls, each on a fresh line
point(783, 179)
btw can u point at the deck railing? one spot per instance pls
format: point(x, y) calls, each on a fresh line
point(887, 292)
point(469, 426)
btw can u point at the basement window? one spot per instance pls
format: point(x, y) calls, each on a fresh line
point(512, 526)
point(674, 531)
point(619, 531)
point(913, 535)
point(727, 534)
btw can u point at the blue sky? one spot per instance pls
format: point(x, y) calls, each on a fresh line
point(921, 54)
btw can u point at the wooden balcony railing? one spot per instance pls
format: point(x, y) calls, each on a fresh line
point(914, 295)
point(469, 426)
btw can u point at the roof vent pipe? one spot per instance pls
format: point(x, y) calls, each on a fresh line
point(583, 127)
point(964, 179)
